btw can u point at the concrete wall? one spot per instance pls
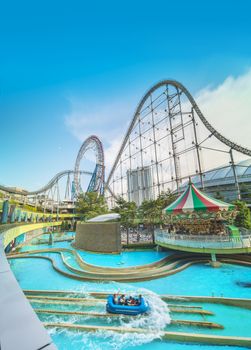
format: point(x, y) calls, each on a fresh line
point(98, 237)
point(20, 328)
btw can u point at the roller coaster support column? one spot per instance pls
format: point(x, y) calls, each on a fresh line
point(214, 262)
point(155, 146)
point(12, 214)
point(141, 157)
point(235, 175)
point(5, 212)
point(175, 158)
point(197, 149)
point(18, 215)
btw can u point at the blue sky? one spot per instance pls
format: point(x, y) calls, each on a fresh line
point(63, 61)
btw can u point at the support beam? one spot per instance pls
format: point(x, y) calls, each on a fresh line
point(235, 175)
point(214, 262)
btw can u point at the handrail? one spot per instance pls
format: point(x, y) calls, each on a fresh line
point(203, 243)
point(201, 238)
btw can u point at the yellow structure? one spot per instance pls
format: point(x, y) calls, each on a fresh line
point(14, 232)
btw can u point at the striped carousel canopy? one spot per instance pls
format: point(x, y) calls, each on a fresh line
point(193, 200)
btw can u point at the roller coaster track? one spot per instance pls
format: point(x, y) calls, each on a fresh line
point(49, 185)
point(213, 131)
point(97, 177)
point(56, 178)
point(97, 180)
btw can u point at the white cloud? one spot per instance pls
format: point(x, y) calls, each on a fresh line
point(111, 152)
point(228, 108)
point(108, 121)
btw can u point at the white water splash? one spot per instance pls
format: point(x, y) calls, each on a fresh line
point(154, 323)
point(156, 319)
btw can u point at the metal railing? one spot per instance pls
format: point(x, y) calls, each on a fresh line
point(203, 241)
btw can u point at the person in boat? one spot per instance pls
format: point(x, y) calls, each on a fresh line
point(115, 298)
point(122, 299)
point(133, 301)
point(129, 301)
point(138, 302)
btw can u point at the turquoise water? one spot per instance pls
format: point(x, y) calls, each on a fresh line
point(202, 279)
point(102, 340)
point(198, 279)
point(70, 340)
point(222, 315)
point(124, 259)
point(230, 316)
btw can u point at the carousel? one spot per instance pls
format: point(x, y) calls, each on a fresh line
point(195, 212)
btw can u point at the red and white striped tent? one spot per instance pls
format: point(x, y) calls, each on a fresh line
point(193, 200)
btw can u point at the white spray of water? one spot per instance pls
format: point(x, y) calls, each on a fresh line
point(154, 322)
point(156, 319)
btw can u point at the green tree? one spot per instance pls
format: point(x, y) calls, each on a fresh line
point(166, 198)
point(128, 213)
point(245, 192)
point(243, 218)
point(148, 211)
point(91, 204)
point(163, 200)
point(151, 211)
